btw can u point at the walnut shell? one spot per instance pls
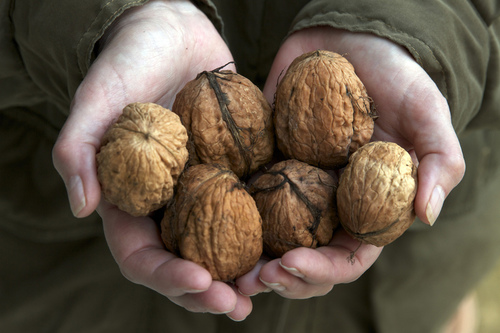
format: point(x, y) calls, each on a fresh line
point(214, 222)
point(229, 121)
point(322, 110)
point(141, 158)
point(376, 193)
point(297, 205)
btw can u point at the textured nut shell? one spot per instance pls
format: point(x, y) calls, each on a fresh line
point(214, 222)
point(229, 121)
point(376, 193)
point(297, 205)
point(323, 112)
point(141, 158)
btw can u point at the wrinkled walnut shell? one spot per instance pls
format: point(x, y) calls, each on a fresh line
point(229, 121)
point(376, 193)
point(214, 222)
point(323, 112)
point(141, 157)
point(297, 205)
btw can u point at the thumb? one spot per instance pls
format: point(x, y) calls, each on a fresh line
point(441, 164)
point(423, 125)
point(74, 152)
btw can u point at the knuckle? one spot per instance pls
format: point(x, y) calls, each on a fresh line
point(127, 273)
point(60, 153)
point(457, 167)
point(128, 270)
point(57, 150)
point(325, 290)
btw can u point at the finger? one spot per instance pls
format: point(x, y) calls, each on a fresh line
point(350, 259)
point(220, 298)
point(242, 308)
point(75, 162)
point(79, 140)
point(344, 260)
point(137, 248)
point(280, 280)
point(250, 284)
point(441, 162)
point(304, 272)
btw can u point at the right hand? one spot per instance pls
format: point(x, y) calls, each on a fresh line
point(147, 55)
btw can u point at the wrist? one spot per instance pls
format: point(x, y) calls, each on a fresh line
point(167, 11)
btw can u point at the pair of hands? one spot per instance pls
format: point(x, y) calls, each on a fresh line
point(149, 54)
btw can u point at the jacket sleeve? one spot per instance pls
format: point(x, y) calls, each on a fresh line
point(455, 42)
point(56, 39)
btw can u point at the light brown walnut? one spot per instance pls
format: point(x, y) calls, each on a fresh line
point(213, 221)
point(141, 158)
point(229, 121)
point(322, 110)
point(376, 193)
point(298, 206)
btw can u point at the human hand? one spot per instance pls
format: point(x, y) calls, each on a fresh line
point(304, 273)
point(138, 249)
point(412, 112)
point(146, 56)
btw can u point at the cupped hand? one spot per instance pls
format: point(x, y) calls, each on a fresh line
point(138, 249)
point(412, 112)
point(304, 273)
point(148, 55)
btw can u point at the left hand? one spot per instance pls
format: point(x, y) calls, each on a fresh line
point(305, 273)
point(412, 112)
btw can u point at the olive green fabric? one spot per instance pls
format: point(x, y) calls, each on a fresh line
point(56, 272)
point(46, 48)
point(450, 39)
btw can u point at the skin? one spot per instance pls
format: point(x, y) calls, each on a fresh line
point(178, 42)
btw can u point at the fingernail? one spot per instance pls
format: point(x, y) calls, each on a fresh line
point(247, 295)
point(293, 271)
point(273, 285)
point(195, 291)
point(435, 204)
point(76, 195)
point(221, 312)
point(267, 290)
point(236, 320)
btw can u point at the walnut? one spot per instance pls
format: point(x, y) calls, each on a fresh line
point(141, 158)
point(228, 119)
point(297, 205)
point(376, 193)
point(323, 112)
point(213, 221)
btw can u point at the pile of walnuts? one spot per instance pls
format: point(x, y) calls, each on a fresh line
point(235, 177)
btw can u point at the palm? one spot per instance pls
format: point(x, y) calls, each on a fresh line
point(142, 60)
point(412, 112)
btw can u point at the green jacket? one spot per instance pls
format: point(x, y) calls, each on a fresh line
point(47, 47)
